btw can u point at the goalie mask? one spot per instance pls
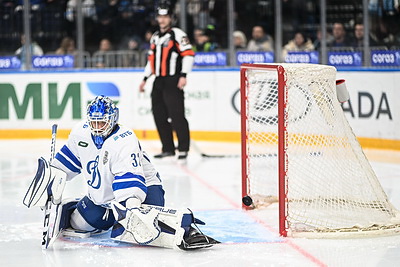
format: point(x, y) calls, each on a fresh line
point(102, 116)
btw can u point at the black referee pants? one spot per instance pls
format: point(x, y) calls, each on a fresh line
point(169, 113)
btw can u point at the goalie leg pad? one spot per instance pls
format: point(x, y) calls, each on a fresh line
point(67, 207)
point(167, 223)
point(176, 230)
point(139, 225)
point(60, 219)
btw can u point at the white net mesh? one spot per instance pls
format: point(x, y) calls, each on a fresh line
point(330, 185)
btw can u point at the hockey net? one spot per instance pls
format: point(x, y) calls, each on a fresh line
point(299, 150)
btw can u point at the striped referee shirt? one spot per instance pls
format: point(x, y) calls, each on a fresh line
point(170, 54)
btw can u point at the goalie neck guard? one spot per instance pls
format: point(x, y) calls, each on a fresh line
point(102, 116)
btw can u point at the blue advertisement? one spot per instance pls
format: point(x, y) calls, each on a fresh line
point(52, 61)
point(345, 59)
point(302, 57)
point(210, 59)
point(10, 63)
point(254, 57)
point(385, 58)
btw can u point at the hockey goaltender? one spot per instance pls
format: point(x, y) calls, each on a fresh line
point(125, 193)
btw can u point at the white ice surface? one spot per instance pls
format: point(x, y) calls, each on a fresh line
point(211, 188)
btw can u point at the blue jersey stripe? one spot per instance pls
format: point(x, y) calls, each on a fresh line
point(66, 163)
point(130, 175)
point(71, 155)
point(130, 184)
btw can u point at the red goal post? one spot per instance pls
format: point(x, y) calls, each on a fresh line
point(299, 150)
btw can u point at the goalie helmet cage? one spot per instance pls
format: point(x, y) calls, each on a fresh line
point(298, 145)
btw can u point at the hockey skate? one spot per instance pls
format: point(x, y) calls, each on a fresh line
point(195, 239)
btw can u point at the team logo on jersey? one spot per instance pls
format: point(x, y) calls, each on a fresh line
point(185, 40)
point(82, 144)
point(105, 159)
point(92, 169)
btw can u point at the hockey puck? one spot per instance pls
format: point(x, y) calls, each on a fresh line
point(247, 201)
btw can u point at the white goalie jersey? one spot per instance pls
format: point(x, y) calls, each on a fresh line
point(118, 170)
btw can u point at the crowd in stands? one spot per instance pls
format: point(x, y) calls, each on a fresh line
point(128, 25)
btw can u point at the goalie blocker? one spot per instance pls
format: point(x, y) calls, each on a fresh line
point(48, 182)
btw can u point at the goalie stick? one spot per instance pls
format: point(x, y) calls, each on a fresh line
point(204, 155)
point(46, 237)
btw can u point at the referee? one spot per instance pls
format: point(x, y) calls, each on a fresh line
point(170, 59)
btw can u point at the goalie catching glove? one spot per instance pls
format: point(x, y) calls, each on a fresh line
point(49, 182)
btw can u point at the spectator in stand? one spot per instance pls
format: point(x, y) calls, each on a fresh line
point(210, 32)
point(385, 22)
point(36, 50)
point(339, 36)
point(90, 17)
point(203, 42)
point(67, 47)
point(260, 40)
point(100, 57)
point(358, 41)
point(134, 43)
point(88, 9)
point(145, 45)
point(299, 43)
point(317, 41)
point(35, 4)
point(318, 37)
point(197, 35)
point(132, 49)
point(239, 40)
